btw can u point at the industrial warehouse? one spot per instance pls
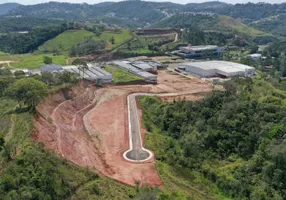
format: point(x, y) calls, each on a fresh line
point(138, 68)
point(146, 69)
point(91, 73)
point(199, 51)
point(217, 68)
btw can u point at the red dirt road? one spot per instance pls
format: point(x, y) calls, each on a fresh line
point(91, 129)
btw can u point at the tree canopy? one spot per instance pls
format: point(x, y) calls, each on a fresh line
point(27, 91)
point(233, 139)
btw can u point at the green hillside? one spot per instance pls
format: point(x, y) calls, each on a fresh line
point(32, 61)
point(120, 37)
point(210, 23)
point(231, 145)
point(229, 23)
point(66, 40)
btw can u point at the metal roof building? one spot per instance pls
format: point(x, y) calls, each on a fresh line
point(198, 48)
point(126, 65)
point(199, 51)
point(50, 68)
point(218, 68)
point(143, 66)
point(91, 73)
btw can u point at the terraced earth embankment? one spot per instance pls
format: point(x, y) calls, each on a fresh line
point(89, 126)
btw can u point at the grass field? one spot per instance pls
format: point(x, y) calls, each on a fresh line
point(32, 61)
point(66, 40)
point(119, 37)
point(6, 105)
point(230, 23)
point(121, 76)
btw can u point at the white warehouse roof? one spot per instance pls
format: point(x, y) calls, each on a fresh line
point(199, 48)
point(212, 68)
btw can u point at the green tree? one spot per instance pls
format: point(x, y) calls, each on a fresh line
point(3, 85)
point(3, 146)
point(230, 87)
point(253, 49)
point(27, 91)
point(48, 78)
point(19, 74)
point(81, 64)
point(112, 40)
point(67, 77)
point(47, 60)
point(5, 72)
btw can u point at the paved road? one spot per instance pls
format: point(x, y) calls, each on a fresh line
point(136, 152)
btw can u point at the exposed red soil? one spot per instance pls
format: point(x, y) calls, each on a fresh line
point(91, 128)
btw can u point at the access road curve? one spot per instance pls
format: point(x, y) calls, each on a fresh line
point(136, 152)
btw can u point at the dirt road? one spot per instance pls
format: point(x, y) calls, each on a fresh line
point(7, 62)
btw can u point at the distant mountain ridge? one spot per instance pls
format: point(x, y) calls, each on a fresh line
point(136, 14)
point(6, 7)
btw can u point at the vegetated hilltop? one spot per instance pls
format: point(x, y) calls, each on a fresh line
point(206, 6)
point(79, 41)
point(24, 43)
point(140, 13)
point(66, 40)
point(6, 7)
point(274, 24)
point(137, 11)
point(10, 24)
point(252, 11)
point(209, 23)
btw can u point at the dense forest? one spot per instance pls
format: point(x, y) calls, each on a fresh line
point(195, 36)
point(17, 43)
point(10, 24)
point(185, 20)
point(234, 138)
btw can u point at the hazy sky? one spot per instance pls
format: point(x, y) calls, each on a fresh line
point(175, 1)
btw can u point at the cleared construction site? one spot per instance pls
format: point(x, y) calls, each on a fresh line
point(90, 126)
point(101, 127)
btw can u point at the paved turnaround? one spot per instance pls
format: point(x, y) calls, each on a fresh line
point(136, 152)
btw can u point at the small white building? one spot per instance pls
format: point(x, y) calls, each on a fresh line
point(217, 68)
point(255, 56)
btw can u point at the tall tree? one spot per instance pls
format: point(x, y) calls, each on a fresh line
point(3, 146)
point(27, 91)
point(47, 60)
point(81, 64)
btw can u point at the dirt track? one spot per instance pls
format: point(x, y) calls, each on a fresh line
point(89, 126)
